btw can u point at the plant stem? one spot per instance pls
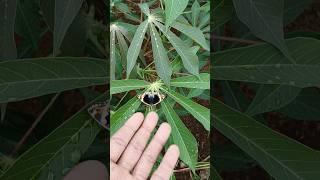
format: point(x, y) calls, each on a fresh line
point(188, 169)
point(161, 5)
point(35, 123)
point(121, 100)
point(146, 45)
point(243, 41)
point(148, 65)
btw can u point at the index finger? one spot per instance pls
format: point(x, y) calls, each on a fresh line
point(122, 137)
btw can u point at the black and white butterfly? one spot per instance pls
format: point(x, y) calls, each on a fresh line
point(151, 98)
point(100, 113)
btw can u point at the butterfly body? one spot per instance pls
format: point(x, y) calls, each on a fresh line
point(151, 98)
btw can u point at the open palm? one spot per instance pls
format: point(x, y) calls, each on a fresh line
point(129, 156)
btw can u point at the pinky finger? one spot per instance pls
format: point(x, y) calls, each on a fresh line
point(167, 164)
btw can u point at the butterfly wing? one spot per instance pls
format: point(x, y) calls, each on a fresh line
point(100, 113)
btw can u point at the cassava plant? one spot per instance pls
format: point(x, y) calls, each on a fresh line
point(48, 49)
point(161, 48)
point(258, 71)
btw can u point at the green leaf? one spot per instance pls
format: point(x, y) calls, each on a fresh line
point(74, 40)
point(193, 32)
point(230, 157)
point(112, 54)
point(174, 9)
point(160, 56)
point(195, 93)
point(195, 9)
point(58, 152)
point(190, 60)
point(221, 13)
point(27, 78)
point(65, 12)
point(28, 22)
point(123, 114)
point(214, 174)
point(272, 97)
point(230, 96)
point(173, 177)
point(279, 155)
point(135, 46)
point(201, 113)
point(8, 48)
point(305, 106)
point(119, 86)
point(3, 110)
point(123, 48)
point(181, 136)
point(201, 82)
point(126, 29)
point(145, 8)
point(265, 22)
point(263, 64)
point(176, 65)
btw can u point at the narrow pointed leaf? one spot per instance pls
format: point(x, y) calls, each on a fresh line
point(123, 113)
point(193, 32)
point(145, 8)
point(27, 78)
point(230, 96)
point(272, 97)
point(201, 82)
point(195, 93)
point(8, 48)
point(160, 56)
point(112, 55)
point(195, 12)
point(119, 86)
point(190, 60)
point(57, 152)
point(135, 46)
point(279, 155)
point(28, 22)
point(123, 47)
point(174, 9)
point(128, 30)
point(264, 19)
point(221, 13)
point(3, 110)
point(264, 64)
point(201, 113)
point(65, 12)
point(181, 136)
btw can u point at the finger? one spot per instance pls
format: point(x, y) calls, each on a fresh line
point(149, 157)
point(136, 146)
point(167, 164)
point(122, 137)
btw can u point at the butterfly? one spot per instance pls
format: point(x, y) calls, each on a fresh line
point(151, 98)
point(100, 113)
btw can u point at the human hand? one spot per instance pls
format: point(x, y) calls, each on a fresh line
point(129, 159)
